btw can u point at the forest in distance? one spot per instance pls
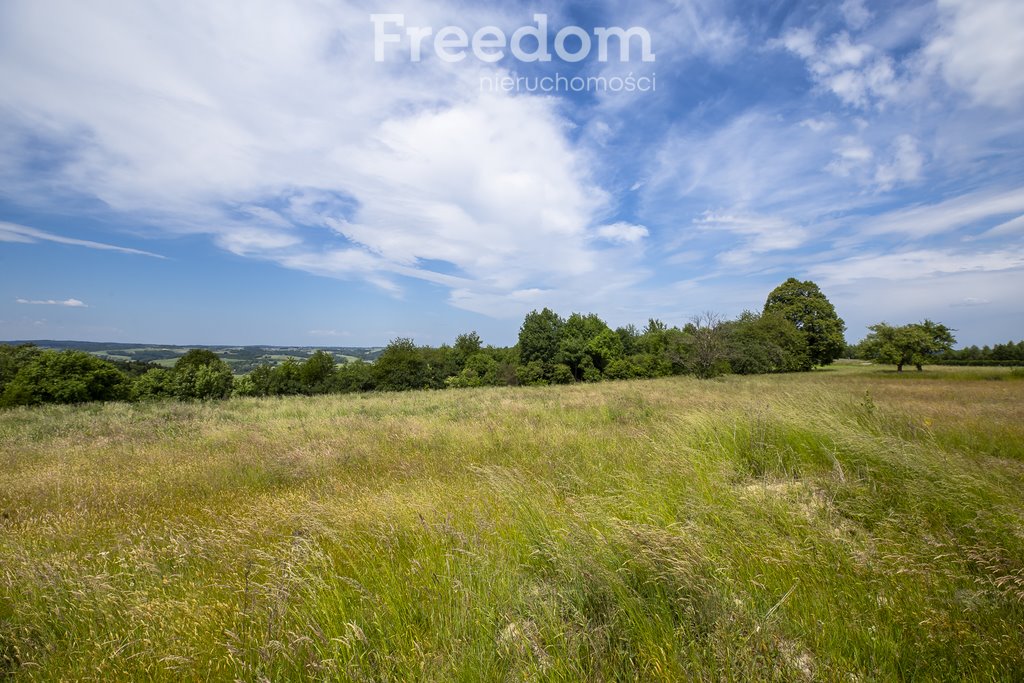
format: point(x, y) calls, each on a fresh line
point(797, 330)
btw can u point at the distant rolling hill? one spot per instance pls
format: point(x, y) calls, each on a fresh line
point(242, 359)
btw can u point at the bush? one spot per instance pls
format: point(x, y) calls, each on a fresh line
point(480, 370)
point(623, 368)
point(13, 359)
point(561, 374)
point(355, 376)
point(317, 373)
point(201, 375)
point(286, 379)
point(532, 374)
point(401, 366)
point(154, 385)
point(65, 377)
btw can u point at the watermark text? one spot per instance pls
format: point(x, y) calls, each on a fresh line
point(490, 44)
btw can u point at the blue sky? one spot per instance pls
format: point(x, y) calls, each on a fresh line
point(248, 173)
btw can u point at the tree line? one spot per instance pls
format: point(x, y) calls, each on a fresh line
point(795, 330)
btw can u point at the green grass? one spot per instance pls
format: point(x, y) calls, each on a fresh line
point(844, 525)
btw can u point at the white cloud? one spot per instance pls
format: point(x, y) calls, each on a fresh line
point(818, 125)
point(801, 42)
point(1010, 227)
point(933, 219)
point(904, 165)
point(852, 155)
point(684, 30)
point(972, 301)
point(623, 233)
point(857, 73)
point(12, 232)
point(70, 303)
point(329, 333)
point(856, 13)
point(980, 51)
point(295, 146)
point(760, 234)
point(916, 264)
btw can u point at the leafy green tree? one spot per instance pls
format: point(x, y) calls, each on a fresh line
point(630, 337)
point(441, 363)
point(804, 305)
point(540, 337)
point(260, 381)
point(400, 367)
point(481, 370)
point(243, 386)
point(913, 344)
point(200, 374)
point(197, 358)
point(605, 348)
point(356, 376)
point(766, 343)
point(318, 373)
point(575, 347)
point(466, 346)
point(12, 359)
point(286, 379)
point(508, 361)
point(65, 377)
point(653, 339)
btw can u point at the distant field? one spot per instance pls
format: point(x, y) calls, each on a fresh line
point(850, 524)
point(242, 359)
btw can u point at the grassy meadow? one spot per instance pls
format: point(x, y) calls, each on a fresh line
point(850, 524)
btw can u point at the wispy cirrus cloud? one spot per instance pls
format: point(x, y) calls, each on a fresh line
point(12, 232)
point(69, 303)
point(916, 264)
point(966, 210)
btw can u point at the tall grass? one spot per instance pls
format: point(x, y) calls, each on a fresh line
point(849, 525)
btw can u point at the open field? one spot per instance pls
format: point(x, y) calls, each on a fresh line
point(849, 524)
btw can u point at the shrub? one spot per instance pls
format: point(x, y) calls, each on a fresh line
point(153, 385)
point(65, 377)
point(201, 374)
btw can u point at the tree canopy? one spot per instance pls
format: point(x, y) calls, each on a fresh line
point(915, 344)
point(804, 305)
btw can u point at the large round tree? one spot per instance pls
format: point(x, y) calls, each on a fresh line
point(804, 305)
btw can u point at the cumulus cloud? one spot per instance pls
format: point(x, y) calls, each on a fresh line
point(296, 147)
point(856, 72)
point(70, 303)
